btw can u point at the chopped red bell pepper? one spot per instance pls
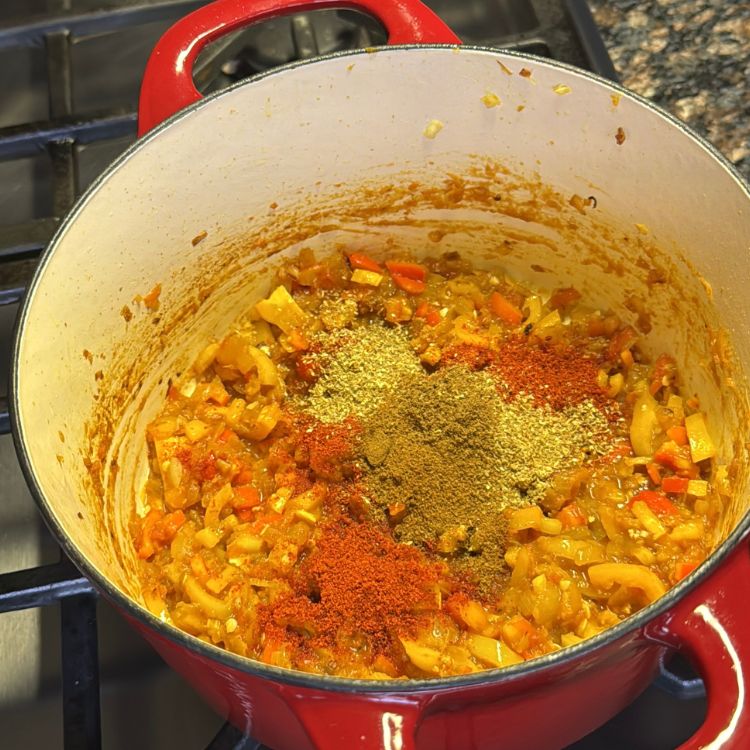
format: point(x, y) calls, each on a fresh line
point(414, 271)
point(365, 262)
point(410, 286)
point(675, 484)
point(656, 501)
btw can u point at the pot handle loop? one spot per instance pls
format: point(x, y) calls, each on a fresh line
point(711, 625)
point(332, 725)
point(168, 86)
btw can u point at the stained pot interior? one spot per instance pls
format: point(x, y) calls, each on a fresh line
point(332, 154)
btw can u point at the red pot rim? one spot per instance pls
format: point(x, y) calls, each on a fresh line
point(327, 682)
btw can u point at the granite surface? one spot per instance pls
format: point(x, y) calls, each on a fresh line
point(690, 56)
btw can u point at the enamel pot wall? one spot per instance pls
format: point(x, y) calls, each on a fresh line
point(337, 152)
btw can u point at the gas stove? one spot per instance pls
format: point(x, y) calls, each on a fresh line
point(72, 674)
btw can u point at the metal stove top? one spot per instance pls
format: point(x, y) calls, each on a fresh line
point(72, 674)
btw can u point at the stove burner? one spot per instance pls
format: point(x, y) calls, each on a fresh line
point(280, 41)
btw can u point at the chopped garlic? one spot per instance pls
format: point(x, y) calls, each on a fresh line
point(697, 487)
point(433, 128)
point(490, 100)
point(369, 278)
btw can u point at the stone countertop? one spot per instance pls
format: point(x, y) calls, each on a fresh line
point(690, 56)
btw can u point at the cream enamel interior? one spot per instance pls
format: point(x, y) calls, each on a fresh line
point(301, 157)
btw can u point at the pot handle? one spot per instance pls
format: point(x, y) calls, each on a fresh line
point(168, 86)
point(711, 625)
point(388, 723)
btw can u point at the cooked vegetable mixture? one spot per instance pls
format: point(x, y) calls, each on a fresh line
point(407, 469)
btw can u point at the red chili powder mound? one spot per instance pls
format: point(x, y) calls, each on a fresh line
point(357, 580)
point(328, 447)
point(555, 375)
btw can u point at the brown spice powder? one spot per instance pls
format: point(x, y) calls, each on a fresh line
point(457, 456)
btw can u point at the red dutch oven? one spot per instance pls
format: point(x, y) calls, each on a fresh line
point(337, 152)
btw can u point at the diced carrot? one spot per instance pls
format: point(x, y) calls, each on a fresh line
point(505, 310)
point(675, 484)
point(428, 313)
point(571, 516)
point(654, 473)
point(413, 271)
point(226, 435)
point(157, 531)
point(245, 476)
point(365, 262)
point(410, 286)
point(656, 501)
point(297, 340)
point(677, 458)
point(173, 393)
point(245, 514)
point(246, 496)
point(168, 526)
point(678, 434)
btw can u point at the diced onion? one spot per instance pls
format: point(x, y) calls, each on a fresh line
point(606, 575)
point(423, 657)
point(211, 606)
point(701, 444)
point(492, 651)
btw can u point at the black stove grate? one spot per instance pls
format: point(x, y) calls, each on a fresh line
point(560, 29)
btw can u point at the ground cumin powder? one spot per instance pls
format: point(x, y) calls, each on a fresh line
point(449, 456)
